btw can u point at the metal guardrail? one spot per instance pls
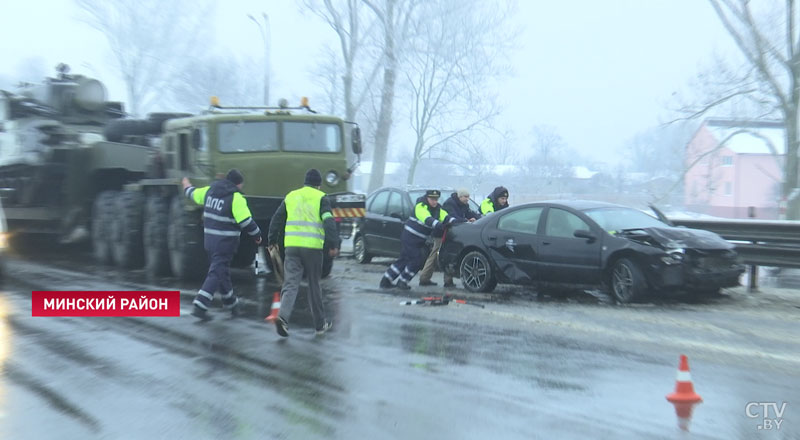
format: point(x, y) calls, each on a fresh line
point(758, 242)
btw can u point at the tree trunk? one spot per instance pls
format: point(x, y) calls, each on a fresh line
point(384, 127)
point(412, 170)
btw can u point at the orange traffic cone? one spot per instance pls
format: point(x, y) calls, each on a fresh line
point(684, 413)
point(684, 390)
point(276, 307)
point(684, 398)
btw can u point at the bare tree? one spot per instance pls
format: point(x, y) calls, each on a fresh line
point(769, 83)
point(658, 151)
point(328, 78)
point(347, 20)
point(451, 58)
point(549, 163)
point(150, 39)
point(232, 80)
point(394, 17)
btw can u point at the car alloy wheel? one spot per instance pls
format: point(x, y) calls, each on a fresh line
point(627, 281)
point(476, 273)
point(360, 250)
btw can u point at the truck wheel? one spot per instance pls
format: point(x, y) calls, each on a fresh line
point(102, 212)
point(156, 254)
point(126, 230)
point(185, 242)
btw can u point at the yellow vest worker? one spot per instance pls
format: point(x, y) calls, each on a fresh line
point(495, 201)
point(305, 222)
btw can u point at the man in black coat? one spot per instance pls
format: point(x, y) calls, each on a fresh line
point(458, 206)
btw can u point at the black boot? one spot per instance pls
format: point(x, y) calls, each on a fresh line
point(201, 314)
point(402, 285)
point(386, 284)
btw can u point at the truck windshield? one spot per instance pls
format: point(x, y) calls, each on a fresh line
point(247, 136)
point(311, 137)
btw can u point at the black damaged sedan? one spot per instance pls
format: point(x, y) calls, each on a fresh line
point(584, 244)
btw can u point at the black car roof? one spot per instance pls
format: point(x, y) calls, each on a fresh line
point(580, 205)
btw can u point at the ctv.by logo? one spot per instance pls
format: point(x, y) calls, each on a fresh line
point(767, 409)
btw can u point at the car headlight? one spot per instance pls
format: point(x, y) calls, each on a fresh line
point(332, 178)
point(675, 256)
point(3, 240)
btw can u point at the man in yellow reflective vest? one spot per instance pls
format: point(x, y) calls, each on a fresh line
point(305, 221)
point(225, 217)
point(428, 216)
point(495, 201)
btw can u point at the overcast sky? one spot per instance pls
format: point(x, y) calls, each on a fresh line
point(598, 71)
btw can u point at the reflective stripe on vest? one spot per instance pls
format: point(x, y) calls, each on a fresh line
point(303, 222)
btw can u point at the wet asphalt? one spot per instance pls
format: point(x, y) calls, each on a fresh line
point(526, 365)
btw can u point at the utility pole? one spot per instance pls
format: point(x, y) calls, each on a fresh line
point(263, 28)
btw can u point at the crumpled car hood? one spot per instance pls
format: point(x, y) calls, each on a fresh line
point(674, 238)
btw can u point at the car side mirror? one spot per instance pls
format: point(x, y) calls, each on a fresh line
point(396, 215)
point(583, 233)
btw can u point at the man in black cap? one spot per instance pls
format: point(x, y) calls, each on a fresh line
point(305, 222)
point(428, 216)
point(225, 216)
point(456, 205)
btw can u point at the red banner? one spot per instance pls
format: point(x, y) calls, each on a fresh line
point(106, 303)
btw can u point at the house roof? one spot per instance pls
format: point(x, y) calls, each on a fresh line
point(749, 137)
point(582, 172)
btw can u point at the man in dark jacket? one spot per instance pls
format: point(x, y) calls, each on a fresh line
point(495, 201)
point(427, 217)
point(225, 217)
point(456, 205)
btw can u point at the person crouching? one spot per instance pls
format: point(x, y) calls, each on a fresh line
point(428, 215)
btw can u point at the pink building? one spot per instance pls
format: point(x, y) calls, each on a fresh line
point(735, 168)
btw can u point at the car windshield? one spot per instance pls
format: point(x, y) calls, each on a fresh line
point(618, 219)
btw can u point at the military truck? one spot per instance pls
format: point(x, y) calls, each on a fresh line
point(80, 171)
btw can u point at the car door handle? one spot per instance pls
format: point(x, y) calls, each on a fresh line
point(493, 238)
point(546, 243)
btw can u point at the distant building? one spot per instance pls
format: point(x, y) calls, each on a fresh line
point(735, 168)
